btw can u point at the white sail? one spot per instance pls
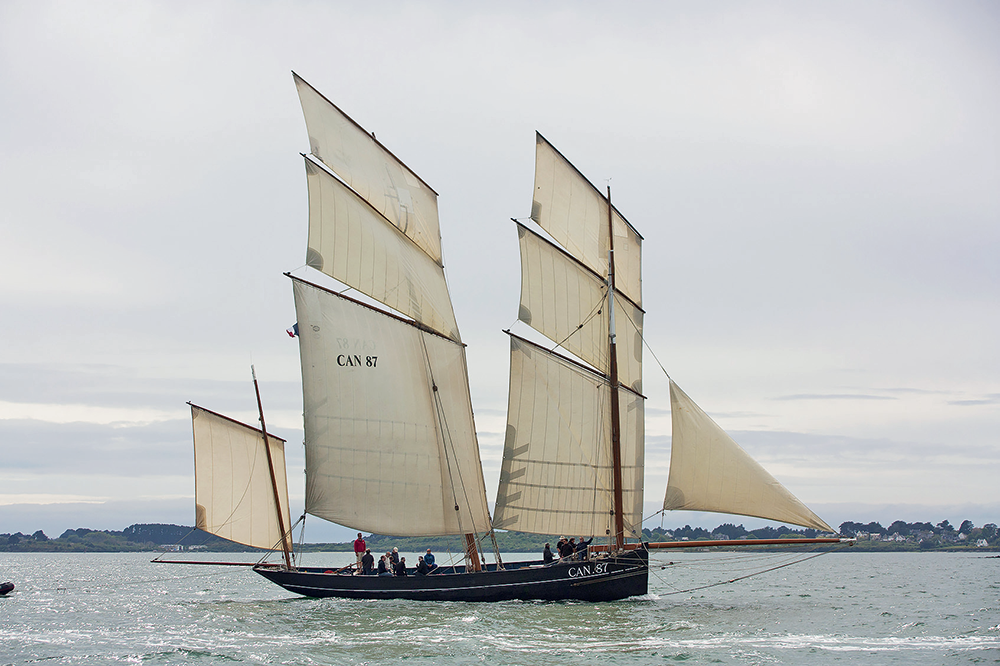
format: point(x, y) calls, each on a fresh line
point(567, 302)
point(556, 475)
point(351, 242)
point(575, 214)
point(234, 498)
point(390, 439)
point(371, 170)
point(710, 472)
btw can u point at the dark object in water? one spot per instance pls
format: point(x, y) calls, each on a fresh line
point(6, 587)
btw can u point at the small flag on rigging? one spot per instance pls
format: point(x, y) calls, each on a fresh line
point(293, 331)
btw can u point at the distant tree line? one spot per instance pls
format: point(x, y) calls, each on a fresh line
point(899, 535)
point(926, 535)
point(135, 538)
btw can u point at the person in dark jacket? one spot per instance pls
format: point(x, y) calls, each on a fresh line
point(422, 568)
point(400, 568)
point(582, 552)
point(567, 549)
point(547, 555)
point(367, 562)
point(383, 567)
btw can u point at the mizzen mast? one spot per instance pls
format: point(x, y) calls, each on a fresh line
point(285, 548)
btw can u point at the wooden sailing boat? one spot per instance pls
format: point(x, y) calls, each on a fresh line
point(389, 433)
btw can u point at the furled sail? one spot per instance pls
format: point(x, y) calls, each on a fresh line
point(371, 170)
point(710, 472)
point(389, 434)
point(556, 475)
point(352, 242)
point(575, 214)
point(234, 497)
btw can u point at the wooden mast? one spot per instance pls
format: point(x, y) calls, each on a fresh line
point(270, 468)
point(616, 445)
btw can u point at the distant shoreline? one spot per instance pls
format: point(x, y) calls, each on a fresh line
point(872, 537)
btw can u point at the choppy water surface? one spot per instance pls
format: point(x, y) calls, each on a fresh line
point(898, 608)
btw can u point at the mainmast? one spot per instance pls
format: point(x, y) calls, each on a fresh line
point(616, 446)
point(270, 468)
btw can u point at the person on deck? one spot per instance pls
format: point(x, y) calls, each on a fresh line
point(400, 568)
point(429, 559)
point(359, 549)
point(547, 555)
point(383, 567)
point(567, 549)
point(422, 568)
point(394, 556)
point(582, 549)
point(367, 563)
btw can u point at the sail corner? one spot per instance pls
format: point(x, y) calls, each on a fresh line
point(674, 499)
point(314, 259)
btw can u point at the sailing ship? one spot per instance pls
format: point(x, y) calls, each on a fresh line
point(390, 437)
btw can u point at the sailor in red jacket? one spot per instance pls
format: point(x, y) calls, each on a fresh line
point(359, 550)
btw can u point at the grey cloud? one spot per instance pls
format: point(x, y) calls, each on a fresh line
point(834, 396)
point(155, 449)
point(991, 399)
point(119, 386)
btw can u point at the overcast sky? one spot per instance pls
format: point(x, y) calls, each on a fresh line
point(818, 185)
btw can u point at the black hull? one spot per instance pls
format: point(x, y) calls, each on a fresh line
point(604, 579)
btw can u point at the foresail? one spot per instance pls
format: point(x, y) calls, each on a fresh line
point(351, 242)
point(570, 209)
point(567, 302)
point(234, 498)
point(556, 475)
point(371, 170)
point(711, 472)
point(389, 434)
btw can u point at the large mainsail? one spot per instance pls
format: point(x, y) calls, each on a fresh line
point(557, 471)
point(711, 472)
point(389, 434)
point(390, 441)
point(234, 495)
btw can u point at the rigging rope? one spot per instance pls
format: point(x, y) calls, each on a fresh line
point(750, 575)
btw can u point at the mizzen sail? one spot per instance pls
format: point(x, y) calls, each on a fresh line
point(711, 472)
point(234, 496)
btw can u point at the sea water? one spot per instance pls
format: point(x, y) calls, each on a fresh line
point(872, 608)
